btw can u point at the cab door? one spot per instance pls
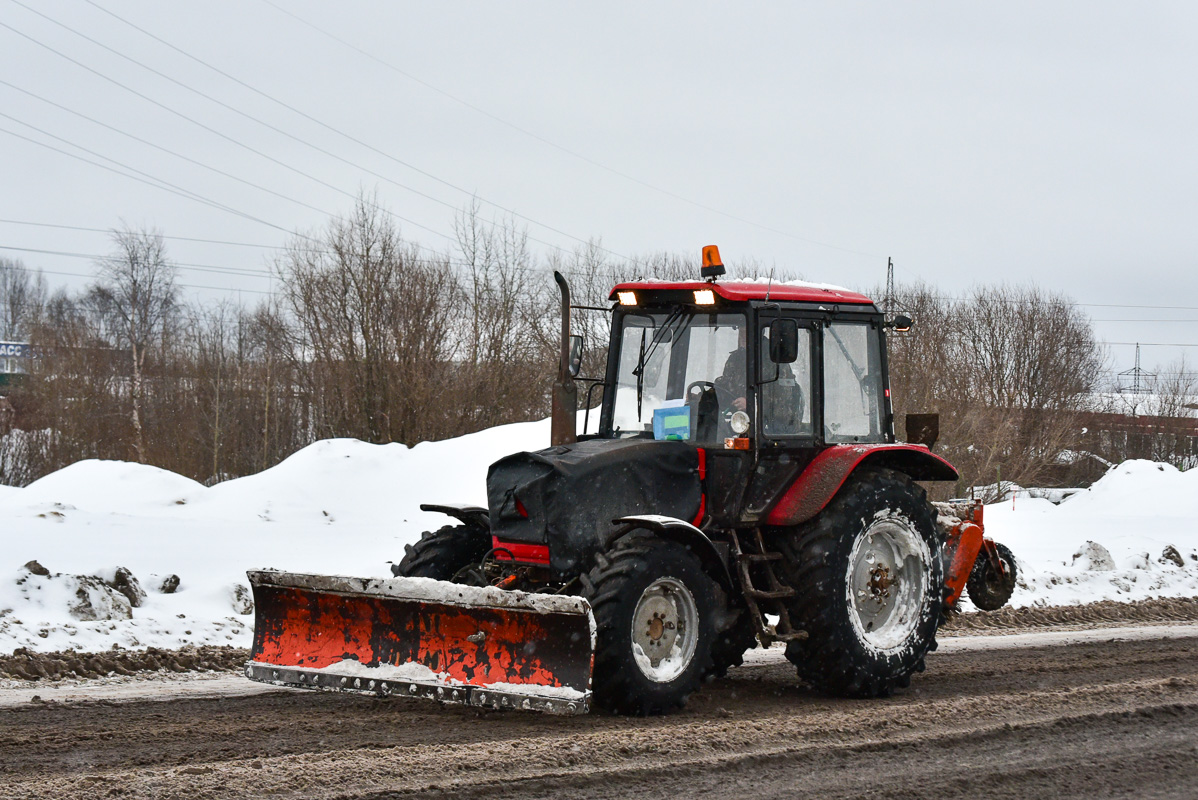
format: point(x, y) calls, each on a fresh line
point(786, 412)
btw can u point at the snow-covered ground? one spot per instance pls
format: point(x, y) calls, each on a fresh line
point(345, 507)
point(1116, 541)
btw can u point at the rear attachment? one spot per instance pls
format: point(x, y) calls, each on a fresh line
point(419, 637)
point(961, 524)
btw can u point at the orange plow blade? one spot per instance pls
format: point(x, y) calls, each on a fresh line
point(418, 637)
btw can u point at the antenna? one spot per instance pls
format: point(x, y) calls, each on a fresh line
point(770, 285)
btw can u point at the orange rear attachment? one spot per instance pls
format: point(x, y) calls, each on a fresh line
point(423, 638)
point(961, 546)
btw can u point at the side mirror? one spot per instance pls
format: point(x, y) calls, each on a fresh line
point(575, 356)
point(784, 341)
point(902, 323)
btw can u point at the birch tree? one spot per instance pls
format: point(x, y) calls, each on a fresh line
point(137, 296)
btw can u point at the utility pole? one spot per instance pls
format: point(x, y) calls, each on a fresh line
point(1139, 383)
point(888, 299)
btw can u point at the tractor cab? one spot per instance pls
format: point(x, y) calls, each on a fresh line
point(761, 376)
point(798, 371)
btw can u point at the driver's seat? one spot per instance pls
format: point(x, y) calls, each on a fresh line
point(705, 412)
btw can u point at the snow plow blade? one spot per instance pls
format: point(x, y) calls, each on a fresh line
point(419, 637)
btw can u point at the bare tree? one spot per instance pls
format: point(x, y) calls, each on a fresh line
point(23, 293)
point(1010, 371)
point(502, 361)
point(366, 328)
point(137, 296)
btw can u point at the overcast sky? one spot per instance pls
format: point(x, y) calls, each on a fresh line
point(1045, 142)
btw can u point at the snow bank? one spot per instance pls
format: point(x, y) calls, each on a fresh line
point(344, 507)
point(1121, 539)
point(336, 507)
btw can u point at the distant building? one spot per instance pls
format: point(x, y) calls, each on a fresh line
point(14, 361)
point(1125, 425)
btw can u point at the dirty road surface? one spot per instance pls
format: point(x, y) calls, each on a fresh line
point(1108, 713)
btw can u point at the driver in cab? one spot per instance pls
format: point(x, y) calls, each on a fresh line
point(783, 404)
point(730, 386)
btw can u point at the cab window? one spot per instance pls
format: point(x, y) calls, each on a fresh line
point(853, 402)
point(786, 390)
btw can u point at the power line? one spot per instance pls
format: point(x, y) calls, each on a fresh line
point(249, 273)
point(215, 132)
point(292, 136)
point(148, 143)
point(164, 236)
point(459, 263)
point(1157, 344)
point(337, 131)
point(179, 189)
point(184, 285)
point(155, 182)
point(436, 257)
point(557, 146)
point(1053, 301)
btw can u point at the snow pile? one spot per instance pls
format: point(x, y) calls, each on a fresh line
point(137, 556)
point(1131, 536)
point(336, 507)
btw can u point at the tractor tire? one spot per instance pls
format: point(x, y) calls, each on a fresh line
point(730, 645)
point(869, 580)
point(655, 612)
point(441, 554)
point(988, 590)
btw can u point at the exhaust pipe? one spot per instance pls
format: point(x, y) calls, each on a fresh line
point(564, 426)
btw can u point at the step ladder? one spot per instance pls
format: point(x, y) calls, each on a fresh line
point(768, 599)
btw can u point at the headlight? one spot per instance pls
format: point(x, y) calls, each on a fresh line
point(739, 422)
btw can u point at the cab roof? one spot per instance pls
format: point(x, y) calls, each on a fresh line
point(791, 291)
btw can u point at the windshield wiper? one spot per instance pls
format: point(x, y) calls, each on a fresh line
point(639, 372)
point(645, 355)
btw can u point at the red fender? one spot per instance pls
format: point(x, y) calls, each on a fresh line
point(824, 476)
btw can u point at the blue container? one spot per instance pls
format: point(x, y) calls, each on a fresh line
point(672, 423)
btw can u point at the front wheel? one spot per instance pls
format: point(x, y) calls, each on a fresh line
point(868, 577)
point(654, 610)
point(441, 554)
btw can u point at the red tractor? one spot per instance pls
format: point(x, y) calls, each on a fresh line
point(745, 487)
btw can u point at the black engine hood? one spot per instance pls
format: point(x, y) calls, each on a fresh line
point(571, 493)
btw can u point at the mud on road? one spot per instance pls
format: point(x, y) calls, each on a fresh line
point(1093, 719)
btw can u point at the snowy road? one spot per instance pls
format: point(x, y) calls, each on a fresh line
point(1089, 714)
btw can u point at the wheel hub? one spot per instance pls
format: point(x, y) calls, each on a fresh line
point(664, 630)
point(880, 582)
point(887, 583)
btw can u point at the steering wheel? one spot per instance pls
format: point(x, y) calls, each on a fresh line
point(723, 416)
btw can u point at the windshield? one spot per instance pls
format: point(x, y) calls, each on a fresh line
point(681, 374)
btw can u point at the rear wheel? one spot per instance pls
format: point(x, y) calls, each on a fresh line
point(654, 609)
point(989, 590)
point(868, 577)
point(441, 554)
